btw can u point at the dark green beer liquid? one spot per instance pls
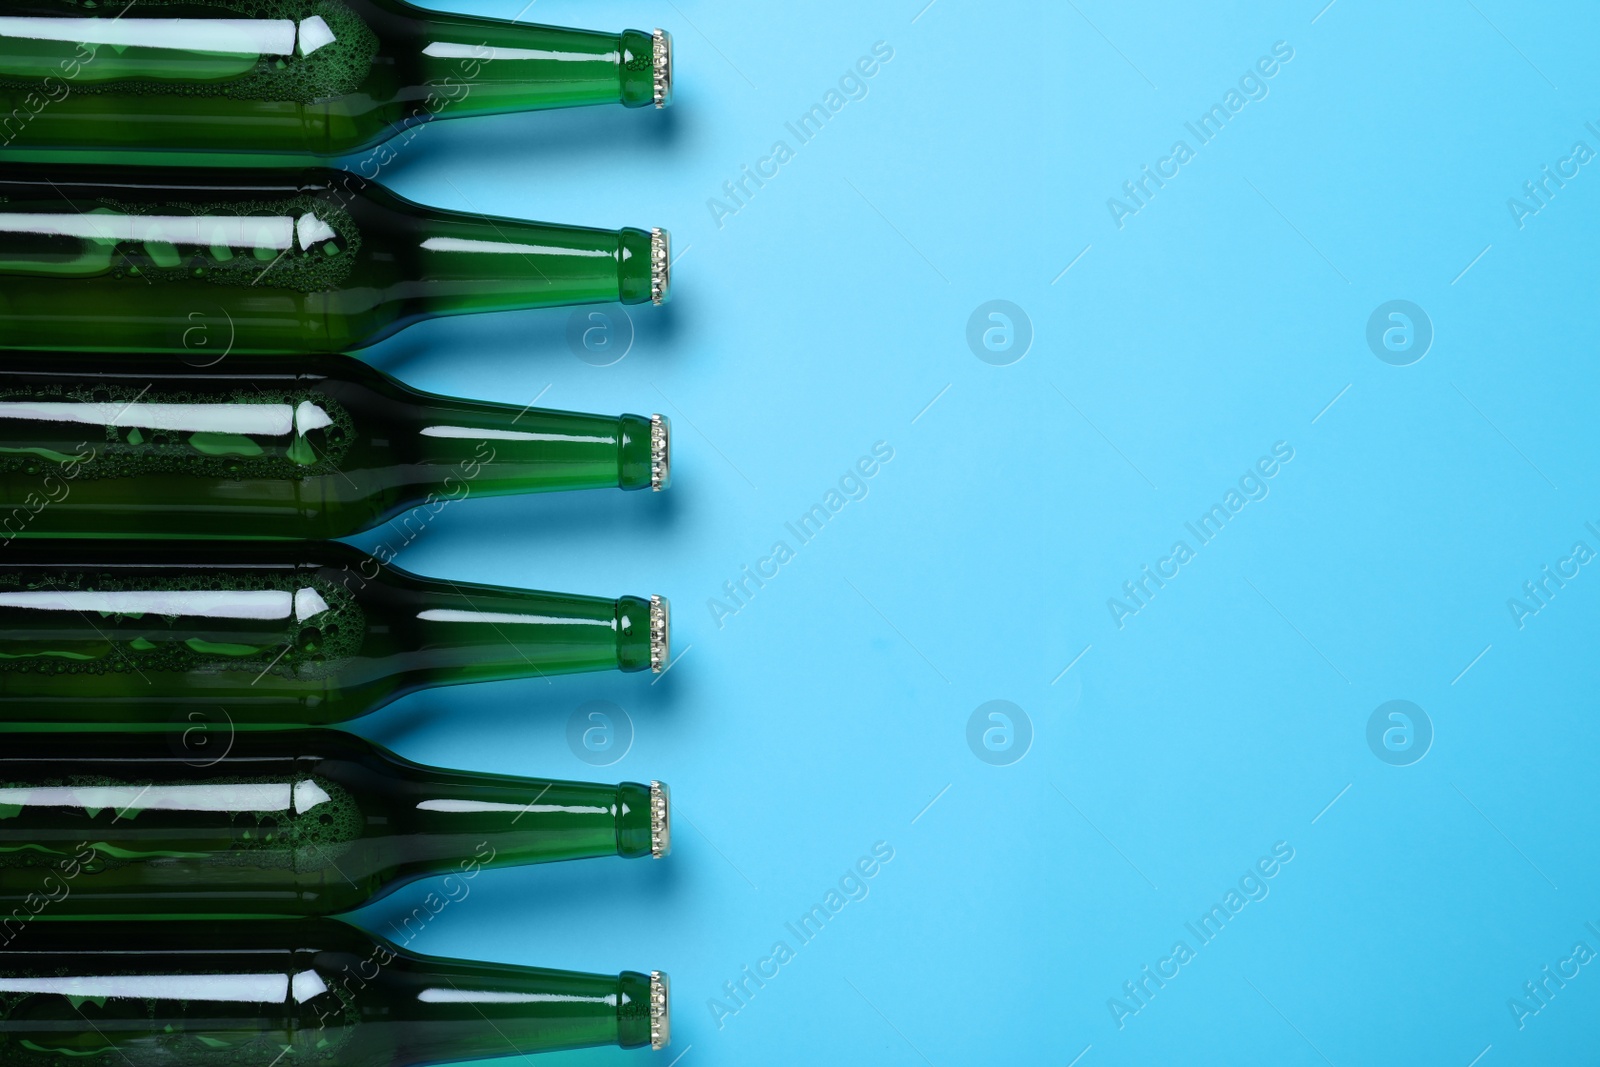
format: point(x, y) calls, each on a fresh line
point(259, 447)
point(305, 633)
point(240, 994)
point(207, 264)
point(205, 822)
point(281, 81)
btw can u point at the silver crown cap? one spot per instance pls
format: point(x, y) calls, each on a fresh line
point(660, 1010)
point(662, 41)
point(660, 452)
point(660, 266)
point(660, 820)
point(660, 632)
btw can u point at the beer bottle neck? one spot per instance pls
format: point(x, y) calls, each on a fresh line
point(458, 1010)
point(459, 821)
point(466, 263)
point(462, 448)
point(454, 632)
point(476, 66)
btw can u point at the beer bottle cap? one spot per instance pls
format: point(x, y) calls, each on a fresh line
point(660, 452)
point(660, 1010)
point(660, 266)
point(660, 633)
point(660, 820)
point(663, 67)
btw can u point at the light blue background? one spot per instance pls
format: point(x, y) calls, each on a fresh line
point(1230, 713)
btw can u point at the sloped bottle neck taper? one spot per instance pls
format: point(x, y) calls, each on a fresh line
point(467, 263)
point(464, 448)
point(467, 633)
point(447, 815)
point(630, 1010)
point(468, 65)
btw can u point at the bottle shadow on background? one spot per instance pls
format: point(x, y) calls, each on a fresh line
point(587, 136)
point(522, 727)
point(525, 726)
point(586, 892)
point(539, 534)
point(532, 346)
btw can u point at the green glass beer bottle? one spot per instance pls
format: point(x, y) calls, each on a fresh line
point(206, 263)
point(306, 991)
point(258, 447)
point(278, 633)
point(210, 822)
point(285, 81)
